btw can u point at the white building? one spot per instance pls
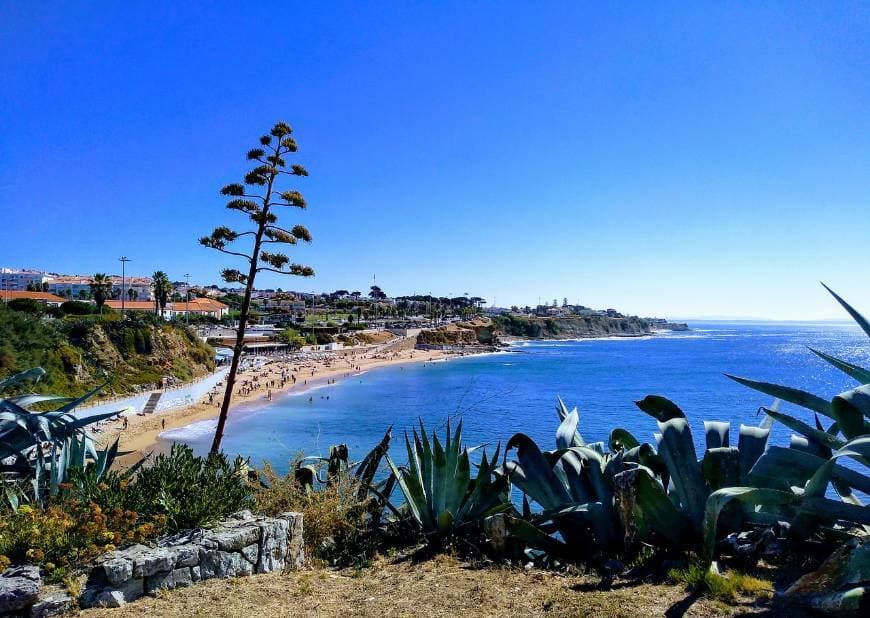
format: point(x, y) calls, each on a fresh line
point(15, 279)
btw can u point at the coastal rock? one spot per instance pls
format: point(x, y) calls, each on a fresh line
point(19, 588)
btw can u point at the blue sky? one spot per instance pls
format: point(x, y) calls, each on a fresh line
point(685, 159)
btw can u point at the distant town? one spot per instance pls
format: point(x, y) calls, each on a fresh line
point(278, 307)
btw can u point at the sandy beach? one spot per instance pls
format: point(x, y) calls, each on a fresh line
point(268, 375)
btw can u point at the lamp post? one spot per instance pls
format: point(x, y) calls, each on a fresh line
point(123, 259)
point(187, 297)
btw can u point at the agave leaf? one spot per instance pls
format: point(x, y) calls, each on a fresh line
point(563, 413)
point(567, 429)
point(721, 467)
point(854, 371)
point(107, 457)
point(621, 439)
point(826, 509)
point(69, 407)
point(368, 467)
point(678, 450)
point(719, 499)
point(533, 475)
point(439, 475)
point(73, 425)
point(532, 536)
point(575, 479)
point(821, 437)
point(28, 400)
point(787, 393)
point(781, 468)
point(34, 374)
point(660, 408)
point(716, 433)
point(751, 445)
point(414, 496)
point(646, 456)
point(850, 409)
point(862, 322)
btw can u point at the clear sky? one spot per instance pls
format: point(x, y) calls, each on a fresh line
point(686, 159)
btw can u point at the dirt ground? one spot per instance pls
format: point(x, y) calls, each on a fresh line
point(439, 587)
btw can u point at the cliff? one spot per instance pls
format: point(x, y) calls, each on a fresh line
point(81, 352)
point(480, 331)
point(580, 327)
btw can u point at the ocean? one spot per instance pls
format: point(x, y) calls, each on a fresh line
point(497, 395)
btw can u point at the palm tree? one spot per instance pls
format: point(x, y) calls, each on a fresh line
point(101, 289)
point(162, 290)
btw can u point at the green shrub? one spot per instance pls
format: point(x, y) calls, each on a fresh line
point(190, 491)
point(25, 305)
point(77, 307)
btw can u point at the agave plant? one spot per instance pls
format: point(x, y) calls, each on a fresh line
point(40, 448)
point(437, 486)
point(592, 500)
point(372, 496)
point(791, 483)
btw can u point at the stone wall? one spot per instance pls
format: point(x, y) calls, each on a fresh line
point(241, 545)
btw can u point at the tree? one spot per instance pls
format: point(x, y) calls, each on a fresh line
point(258, 198)
point(377, 293)
point(162, 290)
point(101, 289)
point(131, 293)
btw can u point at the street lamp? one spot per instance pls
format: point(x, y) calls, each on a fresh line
point(187, 297)
point(123, 259)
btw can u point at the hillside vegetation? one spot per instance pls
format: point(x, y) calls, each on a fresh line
point(571, 326)
point(80, 352)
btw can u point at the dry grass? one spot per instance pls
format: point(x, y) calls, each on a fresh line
point(440, 587)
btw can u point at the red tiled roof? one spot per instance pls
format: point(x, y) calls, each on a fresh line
point(132, 305)
point(45, 297)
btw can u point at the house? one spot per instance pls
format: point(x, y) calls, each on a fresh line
point(132, 305)
point(44, 298)
point(20, 279)
point(198, 306)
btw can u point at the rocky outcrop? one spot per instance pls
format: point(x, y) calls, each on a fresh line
point(480, 331)
point(241, 545)
point(580, 326)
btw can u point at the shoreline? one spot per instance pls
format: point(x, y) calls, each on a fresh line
point(142, 435)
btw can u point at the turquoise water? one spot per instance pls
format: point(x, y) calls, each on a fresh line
point(499, 394)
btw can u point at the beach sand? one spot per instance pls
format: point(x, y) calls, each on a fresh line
point(142, 434)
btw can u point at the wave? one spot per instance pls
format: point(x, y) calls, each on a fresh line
point(191, 432)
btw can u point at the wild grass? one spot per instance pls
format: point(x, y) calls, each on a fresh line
point(726, 588)
point(335, 528)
